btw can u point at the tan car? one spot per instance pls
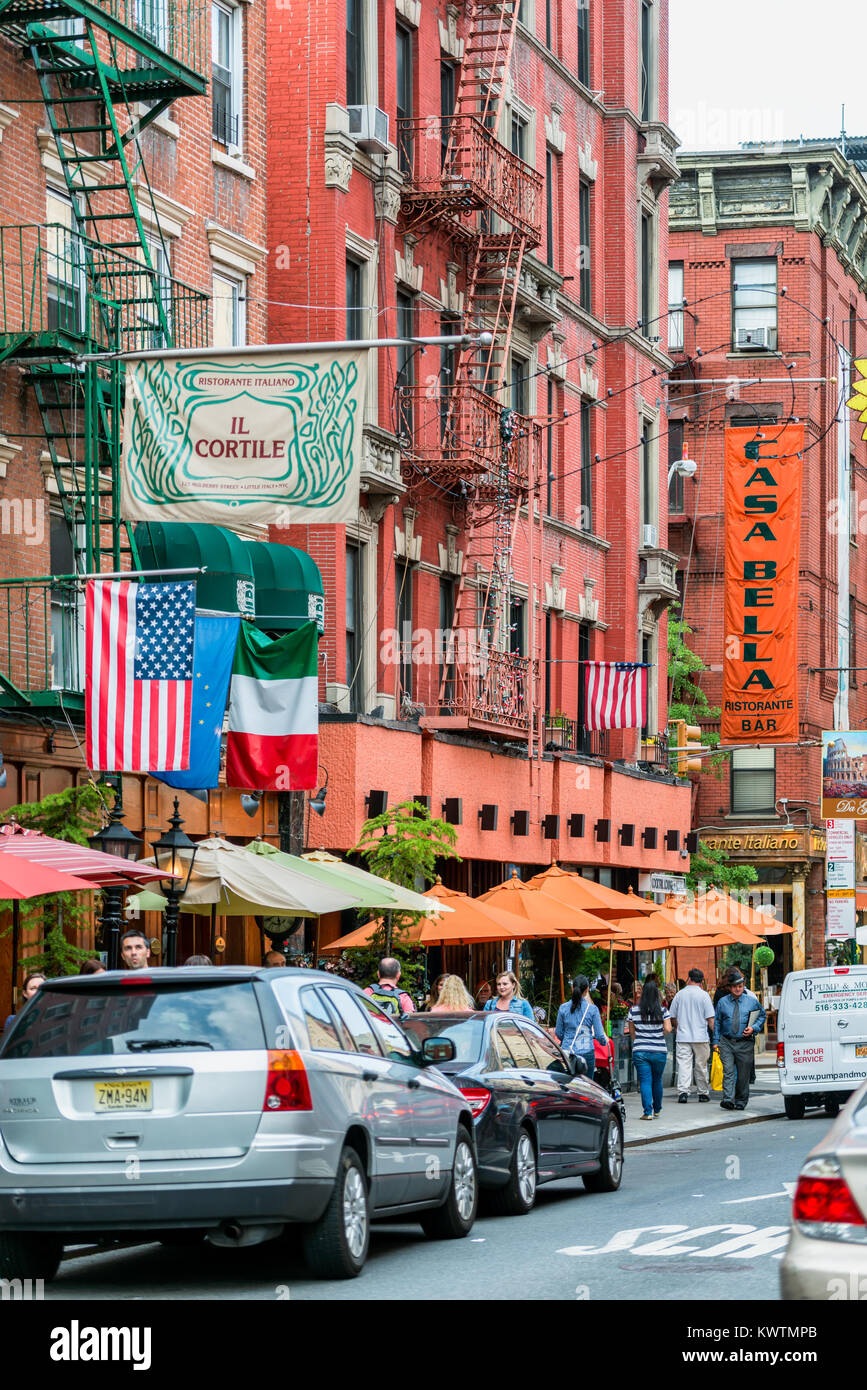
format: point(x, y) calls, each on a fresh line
point(826, 1258)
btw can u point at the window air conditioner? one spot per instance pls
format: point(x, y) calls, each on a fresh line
point(368, 127)
point(648, 537)
point(757, 339)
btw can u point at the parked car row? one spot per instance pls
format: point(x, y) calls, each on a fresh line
point(227, 1103)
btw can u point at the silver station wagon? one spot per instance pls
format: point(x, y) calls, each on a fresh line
point(224, 1102)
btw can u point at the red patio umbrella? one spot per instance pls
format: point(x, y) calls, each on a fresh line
point(21, 879)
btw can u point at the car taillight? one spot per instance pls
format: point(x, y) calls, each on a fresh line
point(824, 1207)
point(781, 1054)
point(286, 1087)
point(136, 979)
point(478, 1096)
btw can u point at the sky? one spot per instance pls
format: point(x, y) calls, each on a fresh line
point(765, 70)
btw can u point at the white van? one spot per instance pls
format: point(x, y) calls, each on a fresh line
point(822, 1037)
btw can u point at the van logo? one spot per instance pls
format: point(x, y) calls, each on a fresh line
point(807, 990)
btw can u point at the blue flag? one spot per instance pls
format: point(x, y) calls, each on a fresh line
point(216, 636)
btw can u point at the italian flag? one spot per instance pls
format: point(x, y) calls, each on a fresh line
point(273, 740)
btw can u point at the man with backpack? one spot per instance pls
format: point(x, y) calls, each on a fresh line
point(385, 993)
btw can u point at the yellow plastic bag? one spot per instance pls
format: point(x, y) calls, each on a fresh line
point(716, 1073)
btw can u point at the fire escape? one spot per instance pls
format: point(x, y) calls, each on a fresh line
point(95, 283)
point(468, 445)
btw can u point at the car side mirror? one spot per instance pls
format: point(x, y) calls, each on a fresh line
point(435, 1050)
point(577, 1065)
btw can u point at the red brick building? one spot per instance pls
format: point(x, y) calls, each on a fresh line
point(522, 189)
point(768, 248)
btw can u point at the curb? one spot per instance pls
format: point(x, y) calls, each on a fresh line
point(703, 1129)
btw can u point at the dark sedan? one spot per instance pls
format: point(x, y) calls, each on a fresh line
point(537, 1118)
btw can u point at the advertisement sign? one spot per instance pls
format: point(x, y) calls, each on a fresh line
point(657, 882)
point(762, 541)
point(844, 775)
point(840, 880)
point(271, 439)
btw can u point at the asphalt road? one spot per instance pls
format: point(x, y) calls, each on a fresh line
point(701, 1217)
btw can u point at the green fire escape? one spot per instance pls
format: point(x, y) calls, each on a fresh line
point(94, 283)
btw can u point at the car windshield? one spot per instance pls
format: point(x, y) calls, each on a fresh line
point(130, 1019)
point(467, 1034)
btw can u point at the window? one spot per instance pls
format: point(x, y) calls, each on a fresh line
point(675, 306)
point(517, 626)
point(519, 374)
point(448, 369)
point(67, 610)
point(853, 640)
point(647, 658)
point(675, 453)
point(550, 206)
point(648, 316)
point(321, 1027)
point(519, 137)
point(406, 354)
point(447, 105)
point(403, 623)
point(549, 24)
point(646, 74)
point(355, 84)
point(446, 619)
point(647, 479)
point(549, 672)
point(513, 1046)
point(226, 74)
point(152, 20)
point(64, 262)
point(585, 736)
point(753, 786)
point(404, 97)
point(584, 42)
point(354, 299)
point(546, 1052)
point(585, 294)
point(356, 1022)
point(354, 628)
point(550, 471)
point(155, 293)
point(393, 1043)
point(229, 311)
point(754, 303)
point(586, 427)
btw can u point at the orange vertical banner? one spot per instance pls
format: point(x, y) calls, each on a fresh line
point(763, 531)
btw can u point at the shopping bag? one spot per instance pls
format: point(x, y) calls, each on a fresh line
point(602, 1052)
point(716, 1073)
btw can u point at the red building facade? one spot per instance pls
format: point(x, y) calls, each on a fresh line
point(768, 251)
point(512, 497)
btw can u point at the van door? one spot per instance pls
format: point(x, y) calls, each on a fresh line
point(845, 993)
point(804, 1031)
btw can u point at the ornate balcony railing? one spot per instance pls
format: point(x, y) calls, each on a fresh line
point(494, 690)
point(454, 165)
point(174, 28)
point(56, 285)
point(463, 432)
point(654, 750)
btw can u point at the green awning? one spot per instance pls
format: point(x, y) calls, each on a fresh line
point(276, 585)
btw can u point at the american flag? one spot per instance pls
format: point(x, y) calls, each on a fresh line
point(139, 675)
point(615, 694)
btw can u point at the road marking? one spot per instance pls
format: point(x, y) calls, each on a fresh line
point(788, 1191)
point(746, 1242)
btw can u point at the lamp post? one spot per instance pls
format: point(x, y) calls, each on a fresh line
point(168, 852)
point(115, 839)
point(685, 467)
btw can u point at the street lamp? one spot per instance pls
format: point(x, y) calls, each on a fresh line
point(168, 852)
point(115, 839)
point(685, 467)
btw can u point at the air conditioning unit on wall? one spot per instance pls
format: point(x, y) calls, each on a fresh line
point(649, 539)
point(368, 127)
point(756, 339)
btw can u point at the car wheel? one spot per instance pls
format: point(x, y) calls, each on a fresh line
point(794, 1107)
point(30, 1256)
point(454, 1219)
point(832, 1107)
point(610, 1172)
point(519, 1194)
point(335, 1246)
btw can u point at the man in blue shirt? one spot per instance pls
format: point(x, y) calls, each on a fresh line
point(735, 1036)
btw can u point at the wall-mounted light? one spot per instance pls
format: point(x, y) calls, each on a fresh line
point(692, 842)
point(520, 822)
point(376, 802)
point(672, 839)
point(551, 827)
point(488, 816)
point(453, 810)
point(576, 826)
point(648, 836)
point(250, 802)
point(603, 830)
point(317, 802)
point(627, 835)
point(422, 800)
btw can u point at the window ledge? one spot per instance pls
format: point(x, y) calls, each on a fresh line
point(164, 123)
point(234, 162)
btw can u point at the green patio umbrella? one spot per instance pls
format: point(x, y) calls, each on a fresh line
point(405, 900)
point(378, 893)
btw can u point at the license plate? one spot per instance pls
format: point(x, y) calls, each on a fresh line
point(122, 1095)
point(861, 1051)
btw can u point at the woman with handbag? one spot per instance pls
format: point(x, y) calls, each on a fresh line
point(579, 1023)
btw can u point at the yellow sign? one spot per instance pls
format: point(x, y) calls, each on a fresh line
point(858, 400)
point(840, 892)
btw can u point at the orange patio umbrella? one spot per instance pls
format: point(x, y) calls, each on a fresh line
point(575, 891)
point(472, 922)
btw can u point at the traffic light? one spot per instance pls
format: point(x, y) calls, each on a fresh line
point(685, 746)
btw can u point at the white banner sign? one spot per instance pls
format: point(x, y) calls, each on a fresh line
point(222, 440)
point(662, 883)
point(840, 880)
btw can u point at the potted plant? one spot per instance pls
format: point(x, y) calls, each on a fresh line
point(555, 729)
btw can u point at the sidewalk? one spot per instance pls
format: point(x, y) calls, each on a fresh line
point(676, 1121)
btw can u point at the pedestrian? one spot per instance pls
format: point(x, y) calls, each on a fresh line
point(578, 1023)
point(720, 992)
point(385, 992)
point(509, 997)
point(28, 989)
point(92, 967)
point(484, 994)
point(134, 949)
point(199, 960)
point(692, 1013)
point(433, 997)
point(273, 960)
point(739, 1016)
point(452, 998)
point(648, 1024)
